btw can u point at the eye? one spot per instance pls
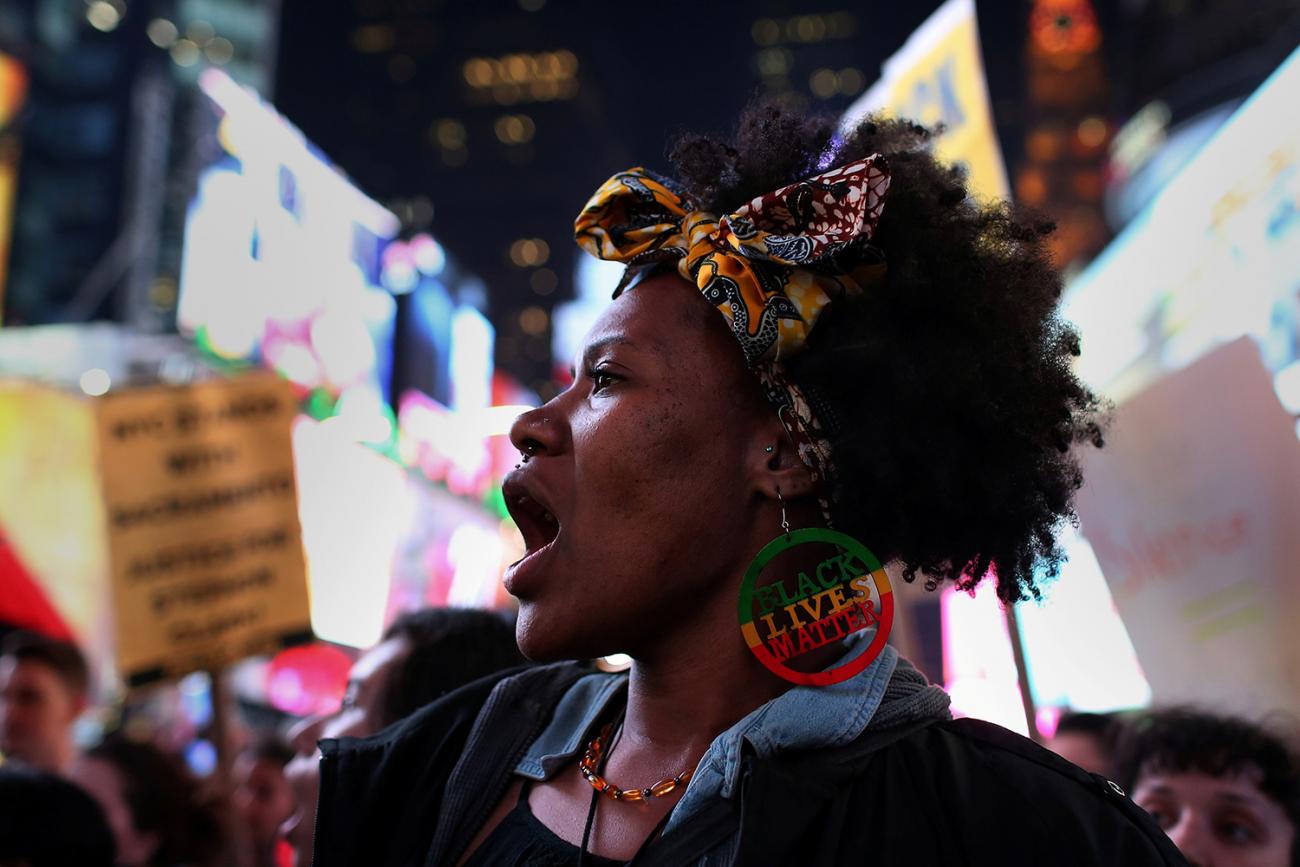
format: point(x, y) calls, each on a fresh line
point(1163, 814)
point(1237, 831)
point(601, 379)
point(1163, 819)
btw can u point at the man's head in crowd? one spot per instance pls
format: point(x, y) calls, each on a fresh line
point(262, 795)
point(422, 656)
point(1087, 739)
point(1227, 791)
point(44, 685)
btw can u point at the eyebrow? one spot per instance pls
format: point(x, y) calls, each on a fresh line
point(612, 340)
point(597, 345)
point(1232, 797)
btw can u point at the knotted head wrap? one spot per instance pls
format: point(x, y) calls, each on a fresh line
point(770, 267)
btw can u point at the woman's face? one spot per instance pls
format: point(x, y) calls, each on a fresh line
point(635, 504)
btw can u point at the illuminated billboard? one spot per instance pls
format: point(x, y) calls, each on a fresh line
point(281, 264)
point(13, 89)
point(1214, 256)
point(1189, 323)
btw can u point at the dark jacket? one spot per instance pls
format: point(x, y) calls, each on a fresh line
point(956, 792)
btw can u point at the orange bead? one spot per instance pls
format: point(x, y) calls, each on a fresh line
point(591, 760)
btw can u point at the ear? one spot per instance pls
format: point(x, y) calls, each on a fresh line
point(776, 465)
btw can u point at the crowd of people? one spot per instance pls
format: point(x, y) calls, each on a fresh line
point(1224, 788)
point(821, 341)
point(134, 803)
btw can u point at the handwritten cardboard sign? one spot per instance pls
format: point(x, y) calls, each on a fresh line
point(1193, 510)
point(205, 548)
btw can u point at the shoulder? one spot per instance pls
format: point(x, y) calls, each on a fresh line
point(1018, 798)
point(370, 786)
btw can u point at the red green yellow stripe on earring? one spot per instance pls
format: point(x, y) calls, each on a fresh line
point(799, 613)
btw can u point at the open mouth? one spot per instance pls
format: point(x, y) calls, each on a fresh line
point(532, 515)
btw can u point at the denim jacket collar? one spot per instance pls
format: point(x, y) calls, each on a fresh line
point(802, 718)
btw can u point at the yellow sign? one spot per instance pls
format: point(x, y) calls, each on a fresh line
point(938, 77)
point(205, 548)
point(52, 510)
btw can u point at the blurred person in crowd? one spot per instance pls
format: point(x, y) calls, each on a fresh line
point(929, 412)
point(44, 687)
point(1087, 740)
point(422, 655)
point(263, 799)
point(1226, 790)
point(153, 805)
point(46, 821)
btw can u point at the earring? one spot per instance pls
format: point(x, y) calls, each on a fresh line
point(843, 595)
point(767, 450)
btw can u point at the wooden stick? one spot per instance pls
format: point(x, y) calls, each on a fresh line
point(1022, 673)
point(238, 852)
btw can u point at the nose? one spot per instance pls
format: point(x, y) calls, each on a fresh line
point(304, 734)
point(1194, 839)
point(540, 431)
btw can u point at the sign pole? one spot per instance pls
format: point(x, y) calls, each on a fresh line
point(1022, 673)
point(221, 730)
point(237, 851)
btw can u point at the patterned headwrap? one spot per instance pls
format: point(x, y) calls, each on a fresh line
point(770, 267)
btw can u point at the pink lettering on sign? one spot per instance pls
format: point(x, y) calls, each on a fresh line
point(1135, 557)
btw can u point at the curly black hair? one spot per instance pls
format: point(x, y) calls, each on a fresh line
point(951, 384)
point(1183, 739)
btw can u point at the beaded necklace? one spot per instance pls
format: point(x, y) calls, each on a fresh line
point(592, 757)
point(593, 762)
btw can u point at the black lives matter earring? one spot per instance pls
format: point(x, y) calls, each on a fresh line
point(848, 592)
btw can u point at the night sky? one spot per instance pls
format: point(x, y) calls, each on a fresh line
point(381, 86)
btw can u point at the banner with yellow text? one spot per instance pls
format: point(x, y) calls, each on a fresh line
point(938, 77)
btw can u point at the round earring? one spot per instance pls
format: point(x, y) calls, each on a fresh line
point(767, 450)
